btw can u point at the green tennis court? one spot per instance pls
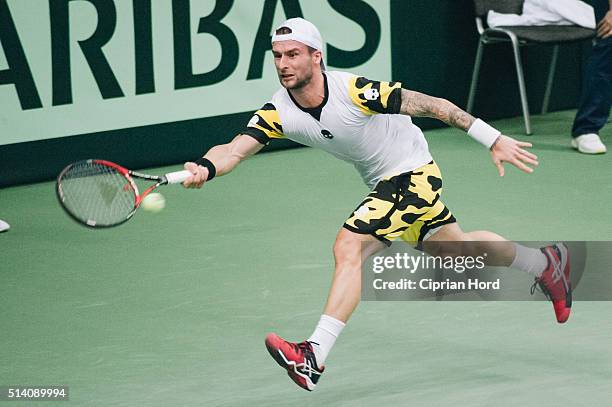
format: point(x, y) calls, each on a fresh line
point(172, 308)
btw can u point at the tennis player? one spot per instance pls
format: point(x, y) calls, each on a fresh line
point(367, 123)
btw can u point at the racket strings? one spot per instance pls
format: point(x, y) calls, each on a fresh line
point(97, 194)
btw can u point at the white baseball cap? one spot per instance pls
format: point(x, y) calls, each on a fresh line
point(302, 31)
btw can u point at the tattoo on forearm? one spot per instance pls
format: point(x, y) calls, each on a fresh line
point(458, 118)
point(417, 104)
point(421, 105)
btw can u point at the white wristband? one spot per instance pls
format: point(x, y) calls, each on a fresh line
point(483, 133)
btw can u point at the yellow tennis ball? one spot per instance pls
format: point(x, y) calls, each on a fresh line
point(154, 202)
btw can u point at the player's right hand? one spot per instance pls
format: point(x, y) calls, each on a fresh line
point(200, 174)
point(508, 150)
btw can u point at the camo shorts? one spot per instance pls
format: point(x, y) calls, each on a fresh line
point(407, 205)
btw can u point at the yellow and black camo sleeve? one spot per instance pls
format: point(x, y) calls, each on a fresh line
point(265, 125)
point(374, 96)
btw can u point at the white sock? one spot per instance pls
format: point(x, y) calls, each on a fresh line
point(532, 261)
point(324, 337)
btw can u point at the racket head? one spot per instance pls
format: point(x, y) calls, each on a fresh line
point(97, 193)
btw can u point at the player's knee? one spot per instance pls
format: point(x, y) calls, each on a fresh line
point(347, 251)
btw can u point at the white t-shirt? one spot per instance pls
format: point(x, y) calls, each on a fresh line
point(358, 122)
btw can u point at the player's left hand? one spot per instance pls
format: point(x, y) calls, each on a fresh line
point(506, 149)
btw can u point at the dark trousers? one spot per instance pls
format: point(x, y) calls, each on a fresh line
point(596, 98)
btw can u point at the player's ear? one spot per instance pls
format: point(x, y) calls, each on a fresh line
point(317, 57)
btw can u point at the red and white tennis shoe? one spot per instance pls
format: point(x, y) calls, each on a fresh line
point(555, 280)
point(297, 358)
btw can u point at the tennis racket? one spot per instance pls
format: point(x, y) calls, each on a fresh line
point(102, 194)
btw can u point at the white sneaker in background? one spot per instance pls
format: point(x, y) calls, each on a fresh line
point(589, 144)
point(4, 226)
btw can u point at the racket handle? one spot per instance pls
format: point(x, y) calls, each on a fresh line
point(178, 176)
